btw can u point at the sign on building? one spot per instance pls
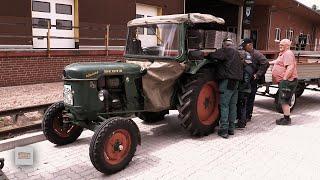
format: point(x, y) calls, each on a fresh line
point(248, 11)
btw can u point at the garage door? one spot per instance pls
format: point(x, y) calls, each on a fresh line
point(57, 12)
point(147, 33)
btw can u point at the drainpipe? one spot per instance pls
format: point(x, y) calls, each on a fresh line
point(184, 6)
point(269, 27)
point(314, 36)
point(240, 20)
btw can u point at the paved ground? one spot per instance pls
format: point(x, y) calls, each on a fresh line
point(261, 151)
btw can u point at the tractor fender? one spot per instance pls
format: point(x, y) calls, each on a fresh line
point(197, 65)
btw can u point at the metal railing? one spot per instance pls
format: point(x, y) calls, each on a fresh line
point(106, 36)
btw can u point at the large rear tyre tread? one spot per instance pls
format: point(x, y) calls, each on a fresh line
point(53, 112)
point(188, 104)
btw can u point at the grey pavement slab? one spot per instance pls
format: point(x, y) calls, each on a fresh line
point(262, 150)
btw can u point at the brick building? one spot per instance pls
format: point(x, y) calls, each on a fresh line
point(21, 19)
point(271, 21)
point(24, 26)
point(73, 19)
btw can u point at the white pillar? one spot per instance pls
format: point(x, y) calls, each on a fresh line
point(240, 20)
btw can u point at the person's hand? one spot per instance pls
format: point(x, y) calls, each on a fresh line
point(255, 76)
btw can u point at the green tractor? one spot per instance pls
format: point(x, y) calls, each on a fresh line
point(163, 70)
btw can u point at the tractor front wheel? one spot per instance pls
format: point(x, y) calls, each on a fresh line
point(199, 103)
point(55, 130)
point(113, 145)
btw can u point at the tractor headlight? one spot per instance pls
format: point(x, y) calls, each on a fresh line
point(67, 95)
point(103, 95)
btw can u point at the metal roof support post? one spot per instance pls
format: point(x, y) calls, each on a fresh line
point(240, 20)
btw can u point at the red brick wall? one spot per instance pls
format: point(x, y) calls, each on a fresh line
point(32, 69)
point(285, 20)
point(260, 23)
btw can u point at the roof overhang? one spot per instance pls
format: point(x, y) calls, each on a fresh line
point(292, 6)
point(177, 19)
point(235, 2)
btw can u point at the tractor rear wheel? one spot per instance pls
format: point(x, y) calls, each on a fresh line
point(55, 130)
point(199, 103)
point(113, 145)
point(152, 117)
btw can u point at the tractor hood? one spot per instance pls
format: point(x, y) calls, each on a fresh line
point(94, 70)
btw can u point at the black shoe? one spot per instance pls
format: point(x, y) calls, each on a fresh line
point(283, 121)
point(223, 133)
point(231, 132)
point(240, 125)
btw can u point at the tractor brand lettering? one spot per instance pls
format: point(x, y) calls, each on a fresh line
point(109, 71)
point(92, 74)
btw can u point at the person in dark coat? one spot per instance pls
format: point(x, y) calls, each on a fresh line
point(229, 72)
point(260, 66)
point(244, 90)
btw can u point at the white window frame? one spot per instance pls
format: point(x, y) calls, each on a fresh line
point(308, 39)
point(291, 35)
point(278, 35)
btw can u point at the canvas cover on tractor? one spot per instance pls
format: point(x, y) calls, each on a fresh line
point(177, 18)
point(158, 83)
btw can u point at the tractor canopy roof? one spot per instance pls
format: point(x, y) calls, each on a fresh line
point(177, 18)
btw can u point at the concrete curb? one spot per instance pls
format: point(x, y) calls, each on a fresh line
point(22, 140)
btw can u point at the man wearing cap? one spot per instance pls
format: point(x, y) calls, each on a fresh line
point(284, 73)
point(229, 72)
point(260, 66)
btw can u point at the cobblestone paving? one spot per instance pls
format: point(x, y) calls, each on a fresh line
point(262, 151)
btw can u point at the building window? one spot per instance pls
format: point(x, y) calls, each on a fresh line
point(140, 30)
point(40, 6)
point(151, 30)
point(308, 38)
point(64, 24)
point(290, 34)
point(40, 23)
point(278, 34)
point(64, 9)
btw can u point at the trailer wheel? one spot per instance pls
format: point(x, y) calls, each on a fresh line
point(199, 103)
point(152, 117)
point(300, 88)
point(113, 145)
point(54, 129)
point(278, 104)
